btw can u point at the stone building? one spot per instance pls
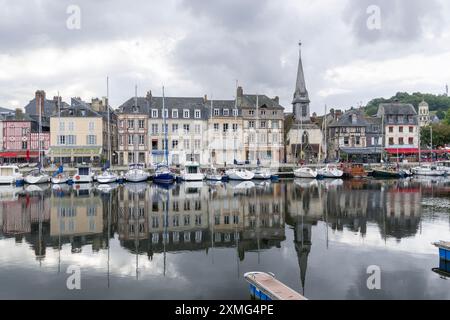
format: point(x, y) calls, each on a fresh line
point(424, 114)
point(304, 138)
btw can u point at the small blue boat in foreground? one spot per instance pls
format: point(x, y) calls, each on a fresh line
point(264, 286)
point(444, 250)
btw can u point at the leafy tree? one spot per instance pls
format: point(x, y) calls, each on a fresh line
point(436, 102)
point(447, 118)
point(441, 135)
point(441, 114)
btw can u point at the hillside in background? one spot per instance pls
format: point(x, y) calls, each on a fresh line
point(438, 103)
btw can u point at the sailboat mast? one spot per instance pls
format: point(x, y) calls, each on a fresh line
point(235, 116)
point(59, 121)
point(257, 124)
point(134, 135)
point(166, 154)
point(39, 132)
point(109, 125)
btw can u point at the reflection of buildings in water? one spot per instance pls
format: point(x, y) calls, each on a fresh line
point(199, 217)
point(77, 219)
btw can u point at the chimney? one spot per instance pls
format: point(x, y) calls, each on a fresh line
point(277, 100)
point(239, 95)
point(149, 95)
point(40, 101)
point(205, 98)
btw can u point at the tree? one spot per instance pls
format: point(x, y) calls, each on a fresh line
point(447, 118)
point(441, 135)
point(441, 114)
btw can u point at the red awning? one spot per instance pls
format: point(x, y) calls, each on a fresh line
point(19, 154)
point(402, 150)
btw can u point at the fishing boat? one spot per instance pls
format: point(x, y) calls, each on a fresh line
point(428, 170)
point(136, 173)
point(354, 170)
point(239, 174)
point(37, 176)
point(192, 172)
point(264, 286)
point(84, 175)
point(444, 249)
point(10, 174)
point(262, 173)
point(305, 172)
point(107, 176)
point(330, 171)
point(389, 173)
point(212, 174)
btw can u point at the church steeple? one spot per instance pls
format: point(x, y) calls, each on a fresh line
point(301, 98)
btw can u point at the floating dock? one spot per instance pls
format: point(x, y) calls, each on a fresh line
point(444, 250)
point(264, 286)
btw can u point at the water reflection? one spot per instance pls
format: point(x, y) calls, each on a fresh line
point(247, 217)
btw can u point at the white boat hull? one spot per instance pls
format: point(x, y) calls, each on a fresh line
point(240, 175)
point(214, 177)
point(192, 177)
point(136, 176)
point(332, 174)
point(107, 177)
point(59, 179)
point(428, 172)
point(305, 173)
point(44, 178)
point(82, 179)
point(262, 174)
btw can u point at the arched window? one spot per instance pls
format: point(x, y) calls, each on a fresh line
point(305, 137)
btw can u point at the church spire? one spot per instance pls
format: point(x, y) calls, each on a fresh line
point(301, 97)
point(300, 86)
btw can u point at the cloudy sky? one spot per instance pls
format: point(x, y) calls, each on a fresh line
point(197, 47)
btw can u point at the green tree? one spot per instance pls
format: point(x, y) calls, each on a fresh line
point(447, 118)
point(441, 135)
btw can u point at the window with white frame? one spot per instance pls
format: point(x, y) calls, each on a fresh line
point(226, 112)
point(197, 114)
point(197, 144)
point(186, 128)
point(91, 126)
point(141, 124)
point(61, 126)
point(216, 112)
point(185, 113)
point(166, 113)
point(174, 113)
point(154, 113)
point(130, 124)
point(61, 140)
point(121, 139)
point(251, 124)
point(186, 144)
point(197, 128)
point(154, 128)
point(130, 139)
point(235, 112)
point(91, 139)
point(175, 128)
point(216, 127)
point(141, 139)
point(235, 127)
point(71, 126)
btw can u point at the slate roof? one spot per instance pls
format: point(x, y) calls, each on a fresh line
point(6, 110)
point(78, 112)
point(222, 105)
point(396, 109)
point(346, 119)
point(48, 109)
point(249, 101)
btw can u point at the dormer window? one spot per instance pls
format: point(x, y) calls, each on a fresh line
point(154, 113)
point(235, 112)
point(197, 114)
point(186, 113)
point(136, 109)
point(175, 113)
point(226, 112)
point(216, 112)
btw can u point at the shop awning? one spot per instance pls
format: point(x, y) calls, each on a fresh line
point(402, 150)
point(75, 152)
point(362, 151)
point(19, 154)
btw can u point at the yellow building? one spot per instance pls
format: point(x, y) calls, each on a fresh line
point(79, 135)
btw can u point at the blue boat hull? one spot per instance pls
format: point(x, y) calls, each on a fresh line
point(444, 254)
point(258, 294)
point(164, 178)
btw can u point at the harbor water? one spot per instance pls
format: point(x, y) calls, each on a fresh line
point(196, 240)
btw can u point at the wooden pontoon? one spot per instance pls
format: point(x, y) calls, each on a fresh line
point(264, 286)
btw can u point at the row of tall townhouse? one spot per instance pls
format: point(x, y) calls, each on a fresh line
point(248, 129)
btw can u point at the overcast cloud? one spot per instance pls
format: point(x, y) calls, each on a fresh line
point(197, 47)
